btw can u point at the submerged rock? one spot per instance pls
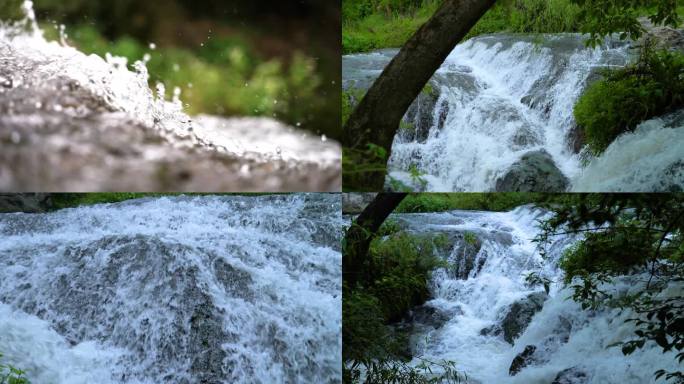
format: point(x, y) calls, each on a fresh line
point(534, 172)
point(572, 375)
point(517, 317)
point(522, 360)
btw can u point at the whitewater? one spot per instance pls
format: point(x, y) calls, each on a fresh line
point(500, 97)
point(211, 289)
point(470, 299)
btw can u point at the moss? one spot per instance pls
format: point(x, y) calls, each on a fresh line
point(652, 86)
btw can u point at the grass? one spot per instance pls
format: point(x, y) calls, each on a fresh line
point(438, 202)
point(369, 25)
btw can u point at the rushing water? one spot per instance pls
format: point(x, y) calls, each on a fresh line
point(499, 97)
point(465, 302)
point(95, 124)
point(175, 290)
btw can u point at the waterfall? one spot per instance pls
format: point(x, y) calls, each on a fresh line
point(463, 320)
point(497, 98)
point(221, 289)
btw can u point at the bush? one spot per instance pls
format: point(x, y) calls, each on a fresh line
point(11, 375)
point(395, 279)
point(652, 86)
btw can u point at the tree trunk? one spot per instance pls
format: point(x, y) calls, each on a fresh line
point(363, 230)
point(376, 119)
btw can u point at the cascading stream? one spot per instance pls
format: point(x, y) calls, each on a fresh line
point(499, 101)
point(483, 314)
point(175, 290)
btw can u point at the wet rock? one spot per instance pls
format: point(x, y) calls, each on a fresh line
point(522, 360)
point(433, 317)
point(661, 37)
point(525, 137)
point(534, 172)
point(353, 203)
point(572, 375)
point(25, 202)
point(575, 138)
point(420, 115)
point(464, 255)
point(518, 316)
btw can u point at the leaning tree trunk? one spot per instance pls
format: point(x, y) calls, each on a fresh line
point(376, 119)
point(362, 231)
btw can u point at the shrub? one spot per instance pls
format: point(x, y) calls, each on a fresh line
point(11, 375)
point(652, 86)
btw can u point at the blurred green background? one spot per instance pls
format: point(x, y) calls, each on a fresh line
point(239, 57)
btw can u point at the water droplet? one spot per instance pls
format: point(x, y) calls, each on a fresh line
point(6, 82)
point(58, 108)
point(299, 124)
point(176, 67)
point(189, 85)
point(201, 44)
point(275, 101)
point(324, 138)
point(39, 105)
point(153, 46)
point(146, 58)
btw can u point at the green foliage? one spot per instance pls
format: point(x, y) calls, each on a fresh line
point(11, 375)
point(397, 372)
point(358, 165)
point(437, 202)
point(10, 10)
point(394, 279)
point(625, 234)
point(470, 238)
point(350, 98)
point(652, 86)
point(604, 17)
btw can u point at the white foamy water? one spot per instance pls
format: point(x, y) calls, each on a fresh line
point(54, 97)
point(634, 161)
point(565, 335)
point(222, 289)
point(503, 96)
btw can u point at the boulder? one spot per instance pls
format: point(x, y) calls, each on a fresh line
point(522, 360)
point(354, 203)
point(420, 114)
point(464, 255)
point(25, 202)
point(517, 317)
point(572, 375)
point(534, 172)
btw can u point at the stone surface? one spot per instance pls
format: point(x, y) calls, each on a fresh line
point(534, 172)
point(572, 375)
point(25, 202)
point(353, 203)
point(522, 360)
point(517, 317)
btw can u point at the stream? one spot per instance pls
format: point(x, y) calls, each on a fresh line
point(483, 315)
point(212, 289)
point(498, 116)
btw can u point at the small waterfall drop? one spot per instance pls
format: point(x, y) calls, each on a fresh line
point(467, 319)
